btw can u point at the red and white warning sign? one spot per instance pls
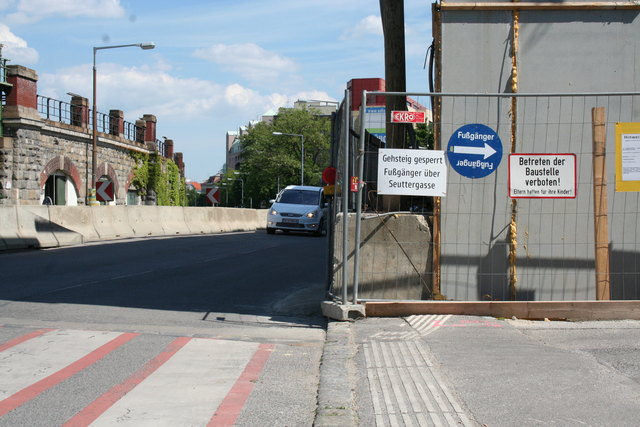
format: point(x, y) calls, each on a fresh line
point(213, 195)
point(542, 176)
point(407, 117)
point(104, 191)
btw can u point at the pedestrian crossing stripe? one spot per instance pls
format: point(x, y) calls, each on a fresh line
point(192, 381)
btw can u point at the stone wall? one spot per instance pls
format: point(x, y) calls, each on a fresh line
point(33, 147)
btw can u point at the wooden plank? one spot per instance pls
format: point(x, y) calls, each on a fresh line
point(600, 207)
point(569, 310)
point(616, 5)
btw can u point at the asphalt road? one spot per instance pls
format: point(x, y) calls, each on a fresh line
point(252, 292)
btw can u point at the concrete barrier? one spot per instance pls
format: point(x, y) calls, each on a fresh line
point(197, 220)
point(35, 228)
point(172, 219)
point(76, 218)
point(9, 238)
point(226, 220)
point(145, 220)
point(51, 226)
point(215, 218)
point(111, 222)
point(261, 219)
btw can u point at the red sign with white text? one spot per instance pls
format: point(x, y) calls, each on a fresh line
point(407, 117)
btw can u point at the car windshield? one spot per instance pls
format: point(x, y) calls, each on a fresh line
point(299, 197)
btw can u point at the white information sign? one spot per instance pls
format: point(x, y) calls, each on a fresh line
point(542, 176)
point(412, 172)
point(631, 157)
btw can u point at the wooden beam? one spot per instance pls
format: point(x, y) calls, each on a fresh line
point(600, 206)
point(565, 310)
point(613, 5)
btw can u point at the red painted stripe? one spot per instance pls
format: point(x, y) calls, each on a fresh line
point(29, 393)
point(104, 402)
point(232, 405)
point(25, 337)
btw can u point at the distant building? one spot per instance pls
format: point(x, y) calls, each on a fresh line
point(234, 151)
point(375, 122)
point(46, 148)
point(320, 108)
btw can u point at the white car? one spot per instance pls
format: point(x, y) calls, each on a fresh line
point(298, 208)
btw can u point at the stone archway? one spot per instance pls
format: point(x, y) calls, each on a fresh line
point(65, 165)
point(131, 191)
point(106, 169)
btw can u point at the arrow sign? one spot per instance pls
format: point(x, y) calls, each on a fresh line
point(213, 195)
point(104, 191)
point(474, 150)
point(485, 151)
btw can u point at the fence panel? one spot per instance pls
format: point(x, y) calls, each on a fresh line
point(550, 239)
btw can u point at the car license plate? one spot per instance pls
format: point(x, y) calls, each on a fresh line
point(290, 221)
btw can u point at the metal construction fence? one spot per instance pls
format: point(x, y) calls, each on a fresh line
point(549, 212)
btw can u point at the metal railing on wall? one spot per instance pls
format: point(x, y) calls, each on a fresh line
point(487, 242)
point(64, 112)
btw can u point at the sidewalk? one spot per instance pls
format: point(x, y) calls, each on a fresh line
point(472, 371)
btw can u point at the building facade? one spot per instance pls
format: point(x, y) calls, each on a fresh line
point(46, 147)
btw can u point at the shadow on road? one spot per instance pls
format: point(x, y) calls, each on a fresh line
point(253, 276)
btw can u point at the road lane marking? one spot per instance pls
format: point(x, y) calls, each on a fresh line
point(230, 408)
point(34, 366)
point(95, 409)
point(184, 386)
point(23, 338)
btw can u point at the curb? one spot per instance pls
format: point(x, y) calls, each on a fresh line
point(336, 399)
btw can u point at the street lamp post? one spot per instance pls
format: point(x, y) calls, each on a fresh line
point(94, 151)
point(301, 152)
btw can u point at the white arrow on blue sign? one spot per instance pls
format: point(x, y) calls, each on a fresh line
point(474, 150)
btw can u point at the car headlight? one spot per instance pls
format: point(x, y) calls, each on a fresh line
point(312, 214)
point(273, 212)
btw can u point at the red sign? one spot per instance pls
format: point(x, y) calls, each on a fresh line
point(104, 191)
point(407, 117)
point(329, 175)
point(213, 195)
point(354, 184)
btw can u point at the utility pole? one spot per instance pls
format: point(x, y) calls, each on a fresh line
point(392, 13)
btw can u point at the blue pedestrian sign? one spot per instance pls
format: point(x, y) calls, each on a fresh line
point(474, 150)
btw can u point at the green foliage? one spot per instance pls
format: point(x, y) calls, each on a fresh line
point(194, 198)
point(424, 135)
point(154, 172)
point(272, 161)
point(140, 179)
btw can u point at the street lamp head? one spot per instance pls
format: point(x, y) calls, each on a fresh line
point(147, 45)
point(277, 133)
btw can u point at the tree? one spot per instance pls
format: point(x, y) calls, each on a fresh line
point(424, 135)
point(271, 162)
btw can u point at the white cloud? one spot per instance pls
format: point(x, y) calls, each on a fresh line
point(193, 112)
point(248, 59)
point(28, 11)
point(16, 48)
point(5, 4)
point(151, 90)
point(71, 8)
point(369, 26)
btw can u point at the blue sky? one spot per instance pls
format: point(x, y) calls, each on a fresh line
point(217, 65)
